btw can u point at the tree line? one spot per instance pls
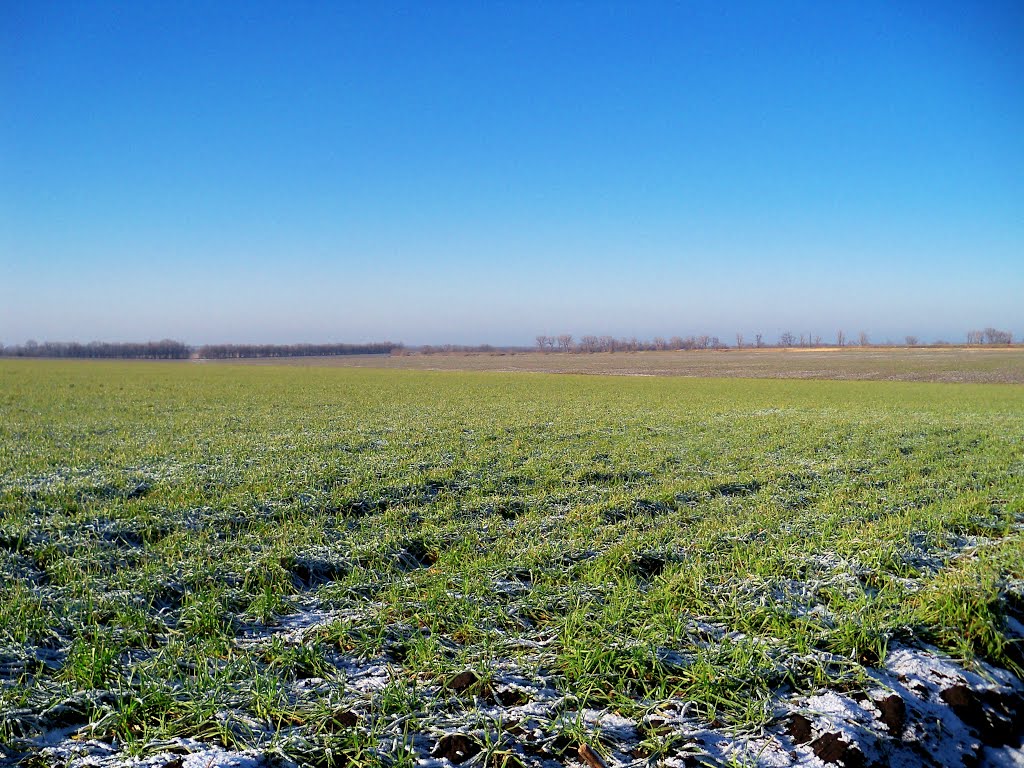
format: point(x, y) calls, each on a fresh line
point(989, 336)
point(567, 343)
point(462, 349)
point(168, 349)
point(232, 351)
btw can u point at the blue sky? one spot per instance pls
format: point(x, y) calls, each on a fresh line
point(484, 172)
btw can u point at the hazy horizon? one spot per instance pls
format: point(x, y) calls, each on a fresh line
point(725, 339)
point(471, 174)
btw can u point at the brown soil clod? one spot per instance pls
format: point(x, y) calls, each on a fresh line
point(514, 728)
point(343, 718)
point(648, 566)
point(799, 729)
point(831, 748)
point(72, 713)
point(310, 572)
point(457, 747)
point(893, 713)
point(558, 746)
point(417, 554)
point(511, 697)
point(463, 681)
point(997, 717)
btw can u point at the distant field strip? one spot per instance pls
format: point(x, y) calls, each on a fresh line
point(355, 566)
point(996, 365)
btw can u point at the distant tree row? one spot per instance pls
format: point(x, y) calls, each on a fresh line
point(989, 336)
point(176, 350)
point(461, 349)
point(167, 349)
point(232, 351)
point(567, 343)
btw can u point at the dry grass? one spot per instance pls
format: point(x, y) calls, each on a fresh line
point(943, 364)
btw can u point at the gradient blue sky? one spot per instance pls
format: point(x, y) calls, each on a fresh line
point(484, 172)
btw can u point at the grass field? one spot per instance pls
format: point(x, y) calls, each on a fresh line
point(993, 365)
point(317, 565)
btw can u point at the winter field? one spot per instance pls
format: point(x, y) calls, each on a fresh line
point(209, 564)
point(987, 365)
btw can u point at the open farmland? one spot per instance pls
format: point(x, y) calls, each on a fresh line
point(991, 365)
point(217, 564)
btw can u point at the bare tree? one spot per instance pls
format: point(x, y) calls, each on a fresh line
point(565, 342)
point(840, 338)
point(739, 341)
point(863, 339)
point(912, 341)
point(759, 340)
point(787, 339)
point(993, 336)
point(817, 341)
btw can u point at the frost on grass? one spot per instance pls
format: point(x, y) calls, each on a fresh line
point(278, 568)
point(919, 708)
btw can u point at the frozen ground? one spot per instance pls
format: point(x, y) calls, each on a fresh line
point(923, 709)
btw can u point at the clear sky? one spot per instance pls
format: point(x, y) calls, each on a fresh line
point(485, 172)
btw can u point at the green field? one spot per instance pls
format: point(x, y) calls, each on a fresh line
point(301, 561)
